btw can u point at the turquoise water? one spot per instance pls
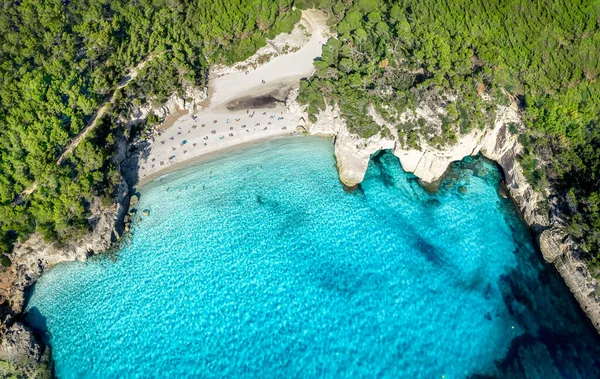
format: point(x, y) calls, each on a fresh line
point(260, 265)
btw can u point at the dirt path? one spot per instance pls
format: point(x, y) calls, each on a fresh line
point(91, 124)
point(100, 112)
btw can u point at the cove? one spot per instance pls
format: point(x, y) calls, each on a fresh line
point(258, 264)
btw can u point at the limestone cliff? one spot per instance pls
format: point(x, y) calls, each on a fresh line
point(190, 101)
point(430, 163)
point(31, 258)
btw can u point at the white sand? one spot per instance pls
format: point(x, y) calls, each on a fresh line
point(223, 128)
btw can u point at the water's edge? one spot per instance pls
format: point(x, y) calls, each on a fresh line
point(125, 204)
point(455, 170)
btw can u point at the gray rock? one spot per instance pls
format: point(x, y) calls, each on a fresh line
point(19, 344)
point(551, 244)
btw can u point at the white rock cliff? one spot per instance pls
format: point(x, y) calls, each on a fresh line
point(429, 164)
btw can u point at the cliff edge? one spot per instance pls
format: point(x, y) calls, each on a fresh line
point(430, 163)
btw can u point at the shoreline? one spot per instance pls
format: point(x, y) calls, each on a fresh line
point(187, 126)
point(250, 101)
point(209, 157)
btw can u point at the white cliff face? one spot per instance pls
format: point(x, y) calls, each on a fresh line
point(191, 101)
point(429, 164)
point(351, 151)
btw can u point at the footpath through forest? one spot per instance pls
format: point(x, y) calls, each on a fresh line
point(131, 74)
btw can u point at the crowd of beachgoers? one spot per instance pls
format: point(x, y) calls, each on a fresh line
point(215, 126)
point(197, 134)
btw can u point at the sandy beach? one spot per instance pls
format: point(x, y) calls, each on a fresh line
point(246, 103)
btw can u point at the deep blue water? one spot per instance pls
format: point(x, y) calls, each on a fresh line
point(260, 265)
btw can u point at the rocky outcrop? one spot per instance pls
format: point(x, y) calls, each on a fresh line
point(351, 151)
point(429, 163)
point(19, 342)
point(31, 258)
point(190, 101)
point(34, 256)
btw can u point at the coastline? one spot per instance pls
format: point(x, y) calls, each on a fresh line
point(208, 157)
point(500, 149)
point(251, 101)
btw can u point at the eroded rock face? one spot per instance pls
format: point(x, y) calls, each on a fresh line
point(34, 256)
point(351, 151)
point(30, 259)
point(429, 164)
point(19, 342)
point(552, 245)
point(191, 101)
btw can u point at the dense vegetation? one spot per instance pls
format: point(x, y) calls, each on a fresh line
point(23, 370)
point(60, 59)
point(544, 55)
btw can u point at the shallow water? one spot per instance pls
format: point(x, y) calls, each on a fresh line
point(260, 265)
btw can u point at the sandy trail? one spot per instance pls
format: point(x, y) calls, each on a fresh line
point(215, 127)
point(100, 112)
point(91, 124)
point(293, 66)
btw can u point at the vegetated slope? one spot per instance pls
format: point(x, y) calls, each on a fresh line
point(544, 54)
point(60, 59)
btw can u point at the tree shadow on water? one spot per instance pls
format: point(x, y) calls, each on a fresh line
point(37, 321)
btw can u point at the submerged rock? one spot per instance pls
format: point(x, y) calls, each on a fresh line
point(482, 172)
point(429, 163)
